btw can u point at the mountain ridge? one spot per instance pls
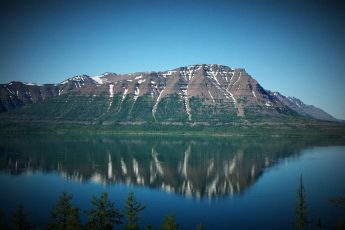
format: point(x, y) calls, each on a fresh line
point(194, 93)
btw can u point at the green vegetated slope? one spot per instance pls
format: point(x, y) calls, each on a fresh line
point(104, 114)
point(98, 109)
point(201, 98)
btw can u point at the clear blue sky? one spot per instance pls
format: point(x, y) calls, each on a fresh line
point(294, 47)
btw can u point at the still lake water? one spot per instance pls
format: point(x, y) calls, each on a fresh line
point(223, 183)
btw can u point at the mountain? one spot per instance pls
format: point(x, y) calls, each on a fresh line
point(16, 94)
point(196, 94)
point(305, 110)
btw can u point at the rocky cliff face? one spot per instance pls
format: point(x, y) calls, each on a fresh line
point(196, 93)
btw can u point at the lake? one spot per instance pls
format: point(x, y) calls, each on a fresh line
point(223, 183)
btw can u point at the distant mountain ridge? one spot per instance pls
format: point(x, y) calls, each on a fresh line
point(201, 93)
point(303, 109)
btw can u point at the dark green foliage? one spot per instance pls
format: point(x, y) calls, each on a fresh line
point(220, 111)
point(339, 202)
point(132, 210)
point(318, 224)
point(340, 225)
point(264, 113)
point(171, 108)
point(142, 109)
point(2, 220)
point(242, 99)
point(19, 219)
point(115, 104)
point(301, 208)
point(64, 215)
point(104, 215)
point(169, 223)
point(66, 107)
point(200, 227)
point(149, 227)
point(73, 220)
point(124, 109)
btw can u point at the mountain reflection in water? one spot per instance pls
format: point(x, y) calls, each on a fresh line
point(198, 167)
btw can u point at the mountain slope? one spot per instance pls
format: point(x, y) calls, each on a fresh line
point(305, 110)
point(16, 94)
point(197, 93)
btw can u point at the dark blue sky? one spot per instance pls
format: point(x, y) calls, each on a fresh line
point(294, 47)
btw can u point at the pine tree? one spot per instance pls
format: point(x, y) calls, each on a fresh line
point(339, 202)
point(169, 223)
point(132, 209)
point(104, 215)
point(318, 224)
point(301, 208)
point(64, 216)
point(73, 222)
point(19, 220)
point(149, 227)
point(2, 220)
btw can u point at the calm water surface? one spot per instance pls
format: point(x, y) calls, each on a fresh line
point(223, 183)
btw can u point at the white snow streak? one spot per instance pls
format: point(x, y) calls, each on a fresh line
point(157, 163)
point(190, 74)
point(124, 95)
point(136, 93)
point(186, 100)
point(9, 90)
point(111, 95)
point(253, 171)
point(211, 188)
point(141, 81)
point(210, 168)
point(169, 73)
point(232, 97)
point(27, 83)
point(213, 75)
point(211, 96)
point(140, 180)
point(110, 167)
point(233, 74)
point(185, 162)
point(123, 167)
point(98, 79)
point(253, 93)
point(154, 109)
point(111, 90)
point(239, 77)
